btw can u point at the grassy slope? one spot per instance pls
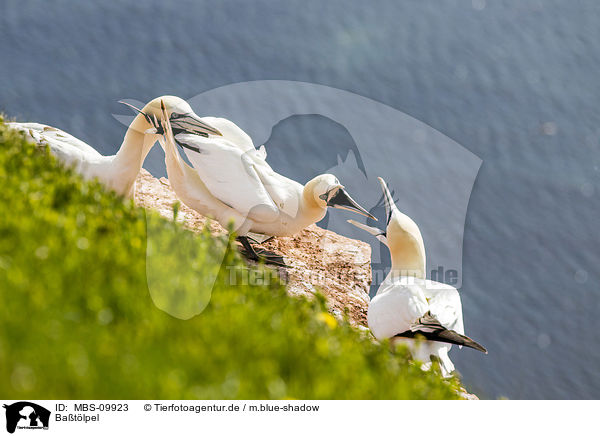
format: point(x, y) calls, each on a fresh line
point(77, 320)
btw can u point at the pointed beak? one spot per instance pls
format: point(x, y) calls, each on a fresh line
point(136, 110)
point(378, 233)
point(389, 201)
point(156, 128)
point(342, 200)
point(187, 123)
point(192, 123)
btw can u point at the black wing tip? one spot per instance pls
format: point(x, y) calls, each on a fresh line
point(445, 336)
point(476, 346)
point(456, 338)
point(431, 329)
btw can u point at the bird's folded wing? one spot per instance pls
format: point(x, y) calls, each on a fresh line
point(427, 323)
point(230, 176)
point(429, 327)
point(445, 305)
point(395, 307)
point(60, 142)
point(286, 193)
point(231, 132)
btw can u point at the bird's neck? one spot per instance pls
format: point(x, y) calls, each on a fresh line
point(311, 211)
point(172, 158)
point(135, 147)
point(408, 256)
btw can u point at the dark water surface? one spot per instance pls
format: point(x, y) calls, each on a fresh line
point(514, 82)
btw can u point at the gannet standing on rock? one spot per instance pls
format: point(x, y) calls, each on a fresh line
point(232, 183)
point(408, 305)
point(117, 172)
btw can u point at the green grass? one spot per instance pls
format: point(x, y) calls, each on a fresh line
point(81, 270)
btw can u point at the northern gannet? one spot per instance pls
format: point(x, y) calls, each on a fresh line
point(117, 172)
point(231, 182)
point(406, 304)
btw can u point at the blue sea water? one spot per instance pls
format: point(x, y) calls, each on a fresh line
point(514, 82)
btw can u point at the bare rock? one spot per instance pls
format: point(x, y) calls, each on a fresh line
point(319, 259)
point(339, 267)
point(152, 193)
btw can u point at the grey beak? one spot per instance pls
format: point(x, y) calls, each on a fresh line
point(181, 123)
point(378, 233)
point(342, 200)
point(148, 118)
point(132, 107)
point(389, 200)
point(192, 123)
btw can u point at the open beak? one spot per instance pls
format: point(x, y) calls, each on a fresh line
point(378, 233)
point(342, 200)
point(192, 123)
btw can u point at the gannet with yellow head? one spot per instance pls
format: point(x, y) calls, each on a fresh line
point(231, 182)
point(407, 304)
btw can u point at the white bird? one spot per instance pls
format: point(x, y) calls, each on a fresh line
point(406, 304)
point(117, 172)
point(231, 182)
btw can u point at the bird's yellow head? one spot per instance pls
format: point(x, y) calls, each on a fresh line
point(327, 191)
point(403, 238)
